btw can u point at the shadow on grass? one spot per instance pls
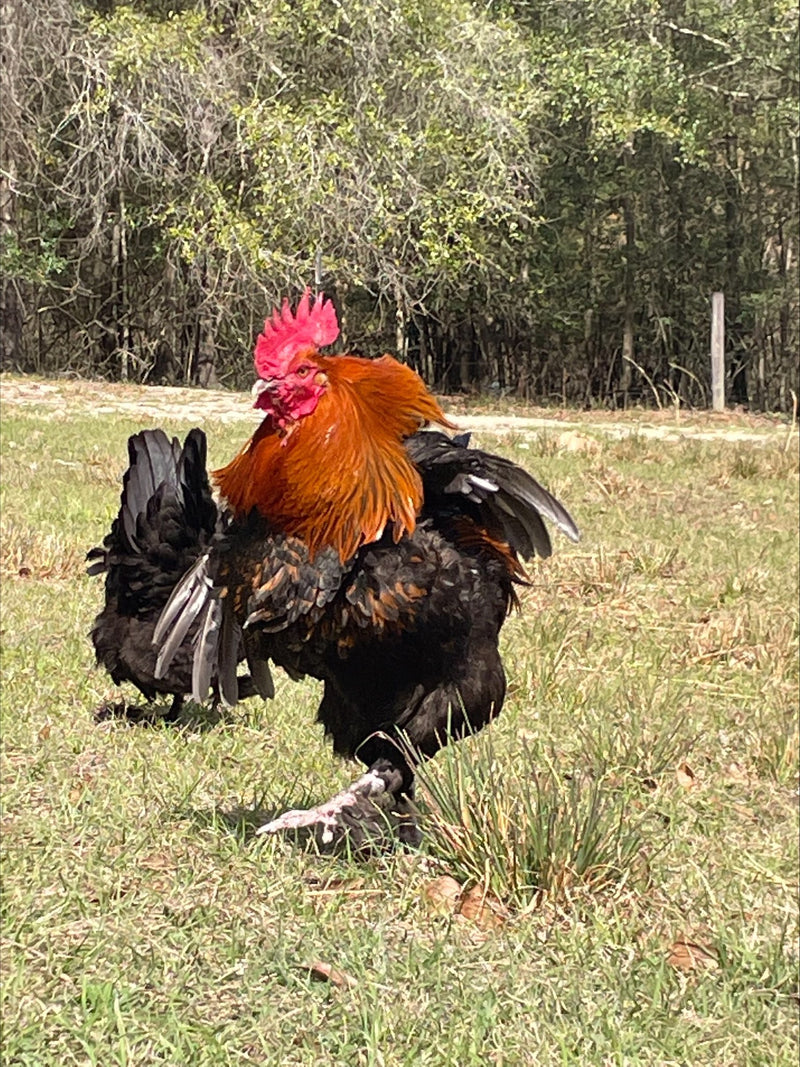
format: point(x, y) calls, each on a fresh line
point(242, 821)
point(198, 718)
point(239, 821)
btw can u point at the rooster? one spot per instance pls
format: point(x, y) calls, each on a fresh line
point(167, 517)
point(365, 551)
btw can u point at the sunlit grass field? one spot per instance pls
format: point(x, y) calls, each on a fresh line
point(609, 874)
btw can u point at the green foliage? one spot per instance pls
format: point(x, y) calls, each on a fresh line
point(541, 196)
point(34, 264)
point(136, 46)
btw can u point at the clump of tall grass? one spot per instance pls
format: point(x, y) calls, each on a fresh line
point(529, 830)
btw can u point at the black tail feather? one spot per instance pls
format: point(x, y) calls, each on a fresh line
point(152, 462)
point(188, 599)
point(167, 518)
point(230, 641)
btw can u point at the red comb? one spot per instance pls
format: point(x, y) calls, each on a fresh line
point(286, 333)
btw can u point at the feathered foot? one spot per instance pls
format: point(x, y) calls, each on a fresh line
point(365, 817)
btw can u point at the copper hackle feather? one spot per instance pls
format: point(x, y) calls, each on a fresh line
point(340, 476)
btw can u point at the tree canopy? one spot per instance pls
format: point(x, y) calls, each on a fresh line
point(536, 196)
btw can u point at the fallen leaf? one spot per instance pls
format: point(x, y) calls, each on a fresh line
point(735, 772)
point(326, 972)
point(687, 779)
point(157, 861)
point(44, 733)
point(443, 894)
point(345, 886)
point(689, 956)
point(483, 908)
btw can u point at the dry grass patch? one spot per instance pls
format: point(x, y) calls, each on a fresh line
point(28, 553)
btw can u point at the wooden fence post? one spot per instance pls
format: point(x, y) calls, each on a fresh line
point(718, 351)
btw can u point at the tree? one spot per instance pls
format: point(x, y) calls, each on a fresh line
point(538, 197)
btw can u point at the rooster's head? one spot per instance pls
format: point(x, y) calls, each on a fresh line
point(290, 379)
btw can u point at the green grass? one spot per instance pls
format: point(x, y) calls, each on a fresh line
point(143, 923)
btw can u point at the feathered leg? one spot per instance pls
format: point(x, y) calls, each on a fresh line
point(378, 807)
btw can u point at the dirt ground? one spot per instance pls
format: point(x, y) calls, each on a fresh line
point(148, 402)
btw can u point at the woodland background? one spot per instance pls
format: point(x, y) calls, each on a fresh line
point(533, 198)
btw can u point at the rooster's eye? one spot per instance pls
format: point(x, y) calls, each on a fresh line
point(302, 372)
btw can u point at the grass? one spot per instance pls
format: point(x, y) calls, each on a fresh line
point(631, 816)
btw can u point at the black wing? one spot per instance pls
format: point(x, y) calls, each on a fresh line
point(496, 493)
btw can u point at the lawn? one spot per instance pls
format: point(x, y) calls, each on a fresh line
point(610, 872)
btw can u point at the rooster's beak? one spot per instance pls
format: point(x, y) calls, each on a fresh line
point(262, 385)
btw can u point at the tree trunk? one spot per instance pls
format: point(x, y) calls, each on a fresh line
point(400, 339)
point(629, 218)
point(117, 300)
point(464, 340)
point(733, 281)
point(10, 306)
point(11, 313)
point(203, 370)
point(205, 373)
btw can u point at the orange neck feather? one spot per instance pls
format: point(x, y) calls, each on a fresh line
point(341, 475)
